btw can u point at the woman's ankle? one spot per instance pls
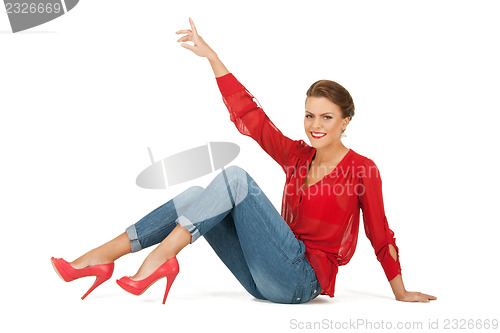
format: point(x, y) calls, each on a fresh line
point(92, 258)
point(152, 262)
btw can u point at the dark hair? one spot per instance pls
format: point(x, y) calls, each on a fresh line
point(335, 93)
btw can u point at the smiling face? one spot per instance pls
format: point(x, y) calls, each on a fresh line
point(323, 122)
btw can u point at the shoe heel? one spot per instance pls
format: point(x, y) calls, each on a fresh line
point(170, 280)
point(98, 281)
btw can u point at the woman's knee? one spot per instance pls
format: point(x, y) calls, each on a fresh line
point(193, 190)
point(235, 171)
point(187, 196)
point(196, 188)
point(238, 180)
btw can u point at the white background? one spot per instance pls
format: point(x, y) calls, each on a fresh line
point(83, 96)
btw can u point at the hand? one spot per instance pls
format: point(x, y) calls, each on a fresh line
point(200, 48)
point(415, 296)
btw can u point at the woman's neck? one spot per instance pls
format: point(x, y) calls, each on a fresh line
point(330, 155)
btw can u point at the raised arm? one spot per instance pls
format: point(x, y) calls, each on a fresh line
point(248, 117)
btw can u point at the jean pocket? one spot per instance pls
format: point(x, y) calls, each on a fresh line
point(315, 289)
point(298, 296)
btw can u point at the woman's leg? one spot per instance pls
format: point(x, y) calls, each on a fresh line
point(223, 239)
point(148, 231)
point(104, 254)
point(168, 248)
point(269, 250)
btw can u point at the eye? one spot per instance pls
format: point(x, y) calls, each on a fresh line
point(328, 117)
point(308, 115)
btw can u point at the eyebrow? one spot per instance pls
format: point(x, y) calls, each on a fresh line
point(320, 114)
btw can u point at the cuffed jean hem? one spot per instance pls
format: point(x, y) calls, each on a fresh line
point(189, 226)
point(135, 245)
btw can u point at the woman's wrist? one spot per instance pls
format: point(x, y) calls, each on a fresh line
point(400, 295)
point(398, 287)
point(217, 65)
point(212, 56)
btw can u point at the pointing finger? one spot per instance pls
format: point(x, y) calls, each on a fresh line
point(192, 26)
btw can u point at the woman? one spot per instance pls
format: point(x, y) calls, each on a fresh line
point(287, 258)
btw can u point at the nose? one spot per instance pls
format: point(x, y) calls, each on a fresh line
point(316, 125)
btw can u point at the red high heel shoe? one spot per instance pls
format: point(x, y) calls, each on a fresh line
point(169, 269)
point(68, 273)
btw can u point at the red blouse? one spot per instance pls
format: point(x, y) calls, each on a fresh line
point(325, 215)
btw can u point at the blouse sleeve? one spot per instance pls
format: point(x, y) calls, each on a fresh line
point(375, 222)
point(251, 120)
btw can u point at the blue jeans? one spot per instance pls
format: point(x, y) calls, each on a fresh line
point(244, 229)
